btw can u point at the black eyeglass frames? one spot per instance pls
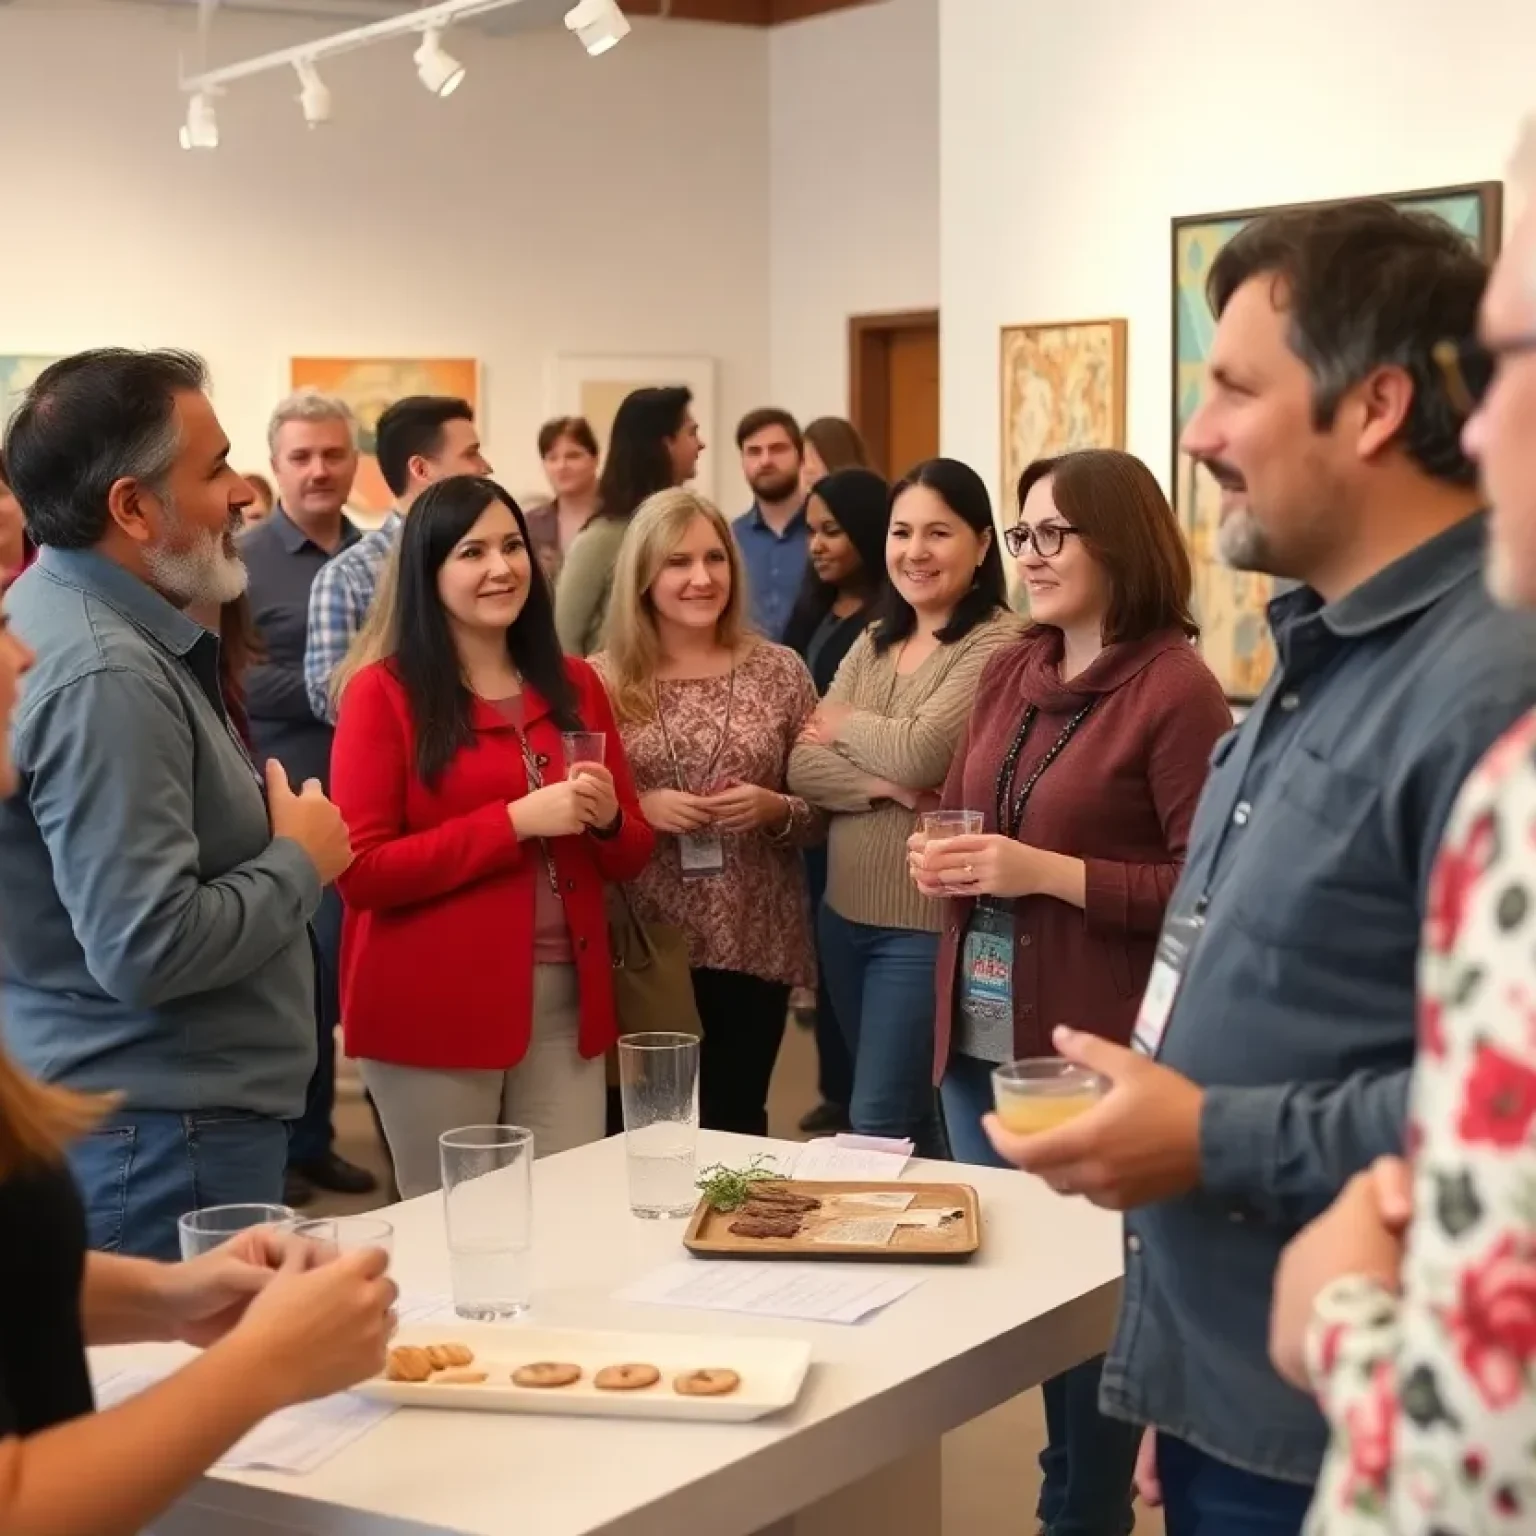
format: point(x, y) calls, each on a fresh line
point(1047, 539)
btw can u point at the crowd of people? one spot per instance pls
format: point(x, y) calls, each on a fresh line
point(267, 775)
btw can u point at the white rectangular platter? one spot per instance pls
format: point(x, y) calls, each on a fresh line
point(772, 1372)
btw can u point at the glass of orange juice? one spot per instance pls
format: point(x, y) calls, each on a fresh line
point(1042, 1092)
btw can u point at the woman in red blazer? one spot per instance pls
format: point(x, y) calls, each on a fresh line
point(476, 981)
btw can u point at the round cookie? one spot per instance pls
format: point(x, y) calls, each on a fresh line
point(626, 1378)
point(546, 1373)
point(712, 1383)
point(444, 1356)
point(407, 1362)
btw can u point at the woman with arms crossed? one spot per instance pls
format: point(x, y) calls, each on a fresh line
point(882, 737)
point(274, 1333)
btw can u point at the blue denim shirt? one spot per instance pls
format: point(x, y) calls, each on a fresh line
point(1310, 857)
point(153, 933)
point(775, 565)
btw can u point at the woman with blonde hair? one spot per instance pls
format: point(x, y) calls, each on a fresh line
point(273, 1333)
point(708, 713)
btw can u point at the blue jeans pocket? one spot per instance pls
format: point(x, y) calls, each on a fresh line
point(102, 1162)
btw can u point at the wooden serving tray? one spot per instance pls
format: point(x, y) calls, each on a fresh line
point(709, 1235)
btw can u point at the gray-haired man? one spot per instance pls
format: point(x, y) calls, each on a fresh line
point(312, 438)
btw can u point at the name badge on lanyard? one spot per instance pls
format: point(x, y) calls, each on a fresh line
point(701, 853)
point(1174, 947)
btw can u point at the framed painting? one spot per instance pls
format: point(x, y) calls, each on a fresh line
point(368, 385)
point(18, 372)
point(1231, 604)
point(1062, 387)
point(594, 386)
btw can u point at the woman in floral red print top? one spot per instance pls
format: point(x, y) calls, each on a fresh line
point(1430, 1394)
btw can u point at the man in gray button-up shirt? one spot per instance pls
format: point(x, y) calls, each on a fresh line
point(153, 910)
point(1281, 1014)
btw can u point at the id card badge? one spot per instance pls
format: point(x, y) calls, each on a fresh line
point(702, 854)
point(1174, 947)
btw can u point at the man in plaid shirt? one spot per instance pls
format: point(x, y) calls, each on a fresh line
point(418, 440)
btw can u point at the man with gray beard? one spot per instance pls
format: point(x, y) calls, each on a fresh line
point(154, 891)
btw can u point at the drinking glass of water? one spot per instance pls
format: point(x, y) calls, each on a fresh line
point(488, 1210)
point(659, 1085)
point(202, 1231)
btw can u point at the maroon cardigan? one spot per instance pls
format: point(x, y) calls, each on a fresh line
point(1120, 796)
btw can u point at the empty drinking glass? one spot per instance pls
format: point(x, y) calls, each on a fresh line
point(202, 1231)
point(583, 747)
point(488, 1211)
point(659, 1085)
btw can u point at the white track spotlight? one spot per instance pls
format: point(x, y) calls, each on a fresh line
point(440, 72)
point(314, 93)
point(598, 23)
point(201, 129)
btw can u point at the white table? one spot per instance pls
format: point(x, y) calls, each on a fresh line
point(858, 1455)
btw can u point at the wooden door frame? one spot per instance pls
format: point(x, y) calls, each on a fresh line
point(869, 402)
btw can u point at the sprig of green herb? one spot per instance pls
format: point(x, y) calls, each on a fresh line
point(726, 1189)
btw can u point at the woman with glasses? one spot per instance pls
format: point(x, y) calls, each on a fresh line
point(880, 741)
point(1086, 763)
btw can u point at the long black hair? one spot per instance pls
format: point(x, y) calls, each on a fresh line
point(860, 501)
point(639, 461)
point(426, 658)
point(961, 489)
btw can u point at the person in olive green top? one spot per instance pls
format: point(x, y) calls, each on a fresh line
point(654, 445)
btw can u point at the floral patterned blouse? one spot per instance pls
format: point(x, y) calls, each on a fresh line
point(753, 917)
point(1431, 1395)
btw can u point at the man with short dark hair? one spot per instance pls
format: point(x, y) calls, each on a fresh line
point(418, 441)
point(155, 941)
point(772, 535)
point(312, 440)
point(1274, 1045)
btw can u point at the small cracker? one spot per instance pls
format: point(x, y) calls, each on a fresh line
point(706, 1383)
point(546, 1373)
point(626, 1378)
point(407, 1362)
point(459, 1378)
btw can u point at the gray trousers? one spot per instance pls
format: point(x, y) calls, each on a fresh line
point(552, 1091)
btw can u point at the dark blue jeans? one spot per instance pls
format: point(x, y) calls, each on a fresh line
point(1089, 1461)
point(834, 1067)
point(139, 1172)
point(881, 981)
point(1206, 1497)
point(312, 1132)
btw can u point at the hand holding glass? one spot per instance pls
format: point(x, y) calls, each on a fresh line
point(659, 1086)
point(1042, 1092)
point(333, 1236)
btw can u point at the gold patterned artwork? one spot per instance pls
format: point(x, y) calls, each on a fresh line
point(1063, 387)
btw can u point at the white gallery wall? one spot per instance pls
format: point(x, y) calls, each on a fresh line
point(1071, 134)
point(554, 204)
point(854, 187)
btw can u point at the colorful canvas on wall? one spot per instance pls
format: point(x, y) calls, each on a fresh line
point(18, 372)
point(369, 385)
point(1231, 604)
point(1063, 387)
